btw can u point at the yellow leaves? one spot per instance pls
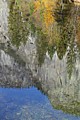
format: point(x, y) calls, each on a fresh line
point(78, 30)
point(48, 18)
point(46, 6)
point(37, 5)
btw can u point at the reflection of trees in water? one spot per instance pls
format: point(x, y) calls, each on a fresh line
point(78, 30)
point(62, 13)
point(65, 18)
point(71, 58)
point(62, 36)
point(65, 32)
point(42, 45)
point(17, 26)
point(58, 37)
point(62, 31)
point(62, 16)
point(51, 50)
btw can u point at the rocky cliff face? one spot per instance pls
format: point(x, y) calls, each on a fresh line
point(13, 72)
point(18, 68)
point(3, 20)
point(63, 92)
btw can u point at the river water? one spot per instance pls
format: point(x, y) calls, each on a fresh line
point(39, 60)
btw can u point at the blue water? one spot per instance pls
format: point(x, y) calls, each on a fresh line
point(28, 104)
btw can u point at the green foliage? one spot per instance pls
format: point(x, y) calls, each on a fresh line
point(57, 37)
point(17, 27)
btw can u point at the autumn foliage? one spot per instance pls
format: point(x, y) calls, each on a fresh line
point(46, 8)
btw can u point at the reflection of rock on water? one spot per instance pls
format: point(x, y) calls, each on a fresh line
point(13, 72)
point(64, 93)
point(18, 69)
point(77, 1)
point(3, 19)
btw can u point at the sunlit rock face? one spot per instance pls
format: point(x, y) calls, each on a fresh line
point(3, 20)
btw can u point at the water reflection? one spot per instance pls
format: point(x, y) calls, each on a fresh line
point(43, 51)
point(28, 108)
